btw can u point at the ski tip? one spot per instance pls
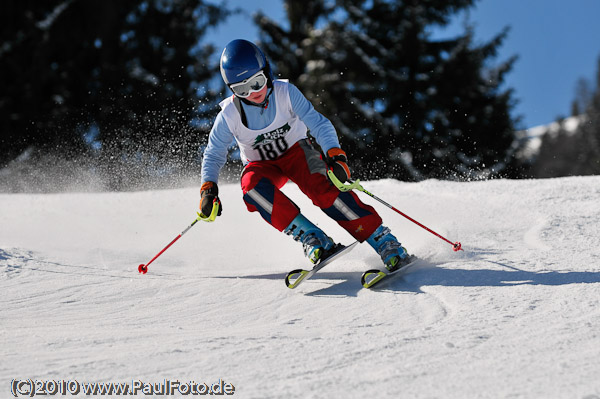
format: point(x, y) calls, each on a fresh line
point(371, 277)
point(293, 278)
point(143, 269)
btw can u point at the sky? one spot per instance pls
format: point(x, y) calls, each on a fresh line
point(557, 42)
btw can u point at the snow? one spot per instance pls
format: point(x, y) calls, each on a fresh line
point(516, 314)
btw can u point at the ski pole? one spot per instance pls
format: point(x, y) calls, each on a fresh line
point(456, 246)
point(143, 268)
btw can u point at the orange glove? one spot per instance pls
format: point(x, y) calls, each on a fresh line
point(208, 193)
point(338, 162)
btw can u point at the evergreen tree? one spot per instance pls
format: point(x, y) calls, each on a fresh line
point(25, 94)
point(405, 106)
point(122, 77)
point(559, 152)
point(584, 93)
point(574, 152)
point(590, 131)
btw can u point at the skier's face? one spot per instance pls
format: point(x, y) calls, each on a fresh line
point(258, 96)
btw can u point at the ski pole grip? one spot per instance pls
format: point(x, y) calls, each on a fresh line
point(213, 213)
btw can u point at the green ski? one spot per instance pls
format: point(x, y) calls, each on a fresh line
point(295, 277)
point(374, 276)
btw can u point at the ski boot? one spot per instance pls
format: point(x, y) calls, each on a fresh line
point(315, 242)
point(392, 253)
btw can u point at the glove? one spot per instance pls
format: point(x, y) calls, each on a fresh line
point(208, 193)
point(338, 162)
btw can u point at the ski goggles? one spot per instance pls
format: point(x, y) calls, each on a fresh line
point(248, 86)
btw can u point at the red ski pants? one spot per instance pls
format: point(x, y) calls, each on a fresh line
point(261, 182)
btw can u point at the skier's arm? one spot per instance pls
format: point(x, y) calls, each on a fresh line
point(215, 154)
point(323, 131)
point(320, 127)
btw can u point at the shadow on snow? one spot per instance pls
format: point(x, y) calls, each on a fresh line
point(427, 274)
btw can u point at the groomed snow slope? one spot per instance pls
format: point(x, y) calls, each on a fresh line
point(517, 314)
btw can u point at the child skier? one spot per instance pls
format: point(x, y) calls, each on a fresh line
point(269, 120)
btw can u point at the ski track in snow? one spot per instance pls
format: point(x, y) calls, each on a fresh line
point(516, 314)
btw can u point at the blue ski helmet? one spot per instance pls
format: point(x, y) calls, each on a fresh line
point(241, 59)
